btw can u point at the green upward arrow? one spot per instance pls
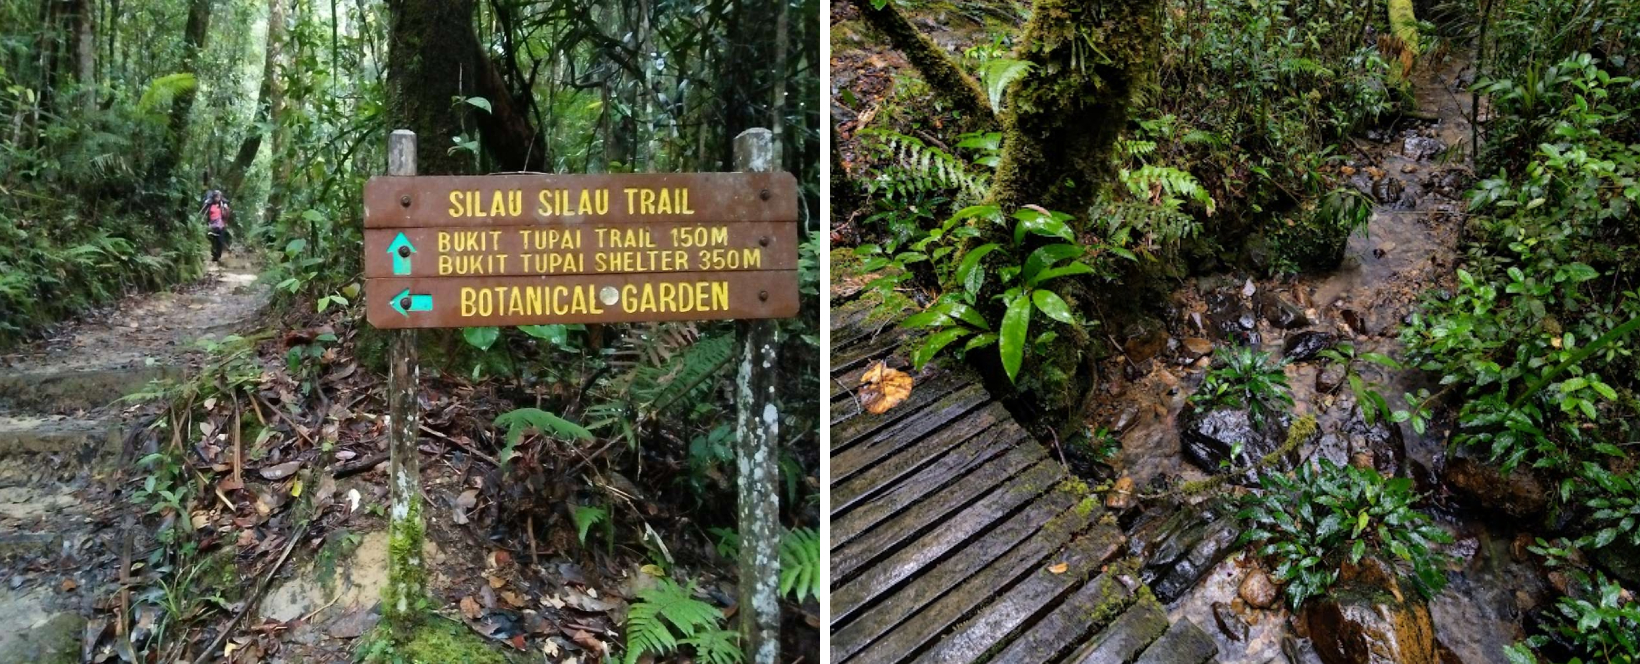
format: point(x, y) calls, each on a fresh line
point(415, 302)
point(401, 250)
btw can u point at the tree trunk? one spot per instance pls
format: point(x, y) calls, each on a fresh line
point(194, 35)
point(434, 57)
point(252, 142)
point(943, 74)
point(1062, 119)
point(85, 53)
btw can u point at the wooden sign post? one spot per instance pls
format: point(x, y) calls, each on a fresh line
point(539, 249)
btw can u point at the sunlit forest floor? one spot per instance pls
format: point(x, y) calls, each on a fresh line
point(307, 562)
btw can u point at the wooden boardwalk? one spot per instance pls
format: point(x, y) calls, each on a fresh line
point(957, 538)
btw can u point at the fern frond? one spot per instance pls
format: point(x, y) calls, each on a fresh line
point(998, 74)
point(921, 167)
point(666, 607)
point(800, 562)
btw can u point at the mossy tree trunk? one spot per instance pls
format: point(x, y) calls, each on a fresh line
point(1089, 57)
point(252, 142)
point(943, 73)
point(176, 139)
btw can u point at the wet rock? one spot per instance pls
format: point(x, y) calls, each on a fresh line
point(1518, 494)
point(1231, 320)
point(1194, 348)
point(1258, 590)
point(1145, 338)
point(1367, 620)
point(1421, 147)
point(1621, 559)
point(1306, 346)
point(1125, 419)
point(1207, 438)
point(1230, 624)
point(1355, 321)
point(1381, 443)
point(1281, 311)
point(1388, 190)
point(1213, 541)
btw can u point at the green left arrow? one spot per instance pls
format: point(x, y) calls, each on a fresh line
point(416, 303)
point(400, 250)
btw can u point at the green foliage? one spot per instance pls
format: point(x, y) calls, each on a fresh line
point(1318, 235)
point(800, 563)
point(1245, 378)
point(667, 615)
point(523, 420)
point(1022, 287)
point(1601, 619)
point(1325, 515)
point(587, 516)
point(1614, 498)
point(912, 167)
point(999, 73)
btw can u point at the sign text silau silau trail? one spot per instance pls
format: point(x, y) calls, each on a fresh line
point(499, 250)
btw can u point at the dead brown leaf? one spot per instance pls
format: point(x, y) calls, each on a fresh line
point(470, 608)
point(1060, 568)
point(882, 388)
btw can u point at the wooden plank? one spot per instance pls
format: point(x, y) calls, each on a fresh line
point(512, 200)
point(1184, 643)
point(977, 518)
point(857, 356)
point(852, 452)
point(1023, 563)
point(930, 513)
point(1086, 610)
point(854, 425)
point(559, 248)
point(1140, 625)
point(846, 523)
point(397, 303)
point(1038, 590)
point(990, 562)
point(912, 453)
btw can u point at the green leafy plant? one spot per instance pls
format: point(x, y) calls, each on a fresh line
point(1369, 400)
point(1603, 622)
point(667, 615)
point(1326, 515)
point(585, 517)
point(800, 561)
point(1615, 499)
point(520, 421)
point(1024, 289)
point(1245, 378)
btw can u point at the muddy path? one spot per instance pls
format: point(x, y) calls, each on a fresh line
point(63, 508)
point(1416, 169)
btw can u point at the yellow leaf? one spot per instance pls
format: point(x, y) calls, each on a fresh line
point(1060, 568)
point(882, 388)
point(296, 489)
point(653, 570)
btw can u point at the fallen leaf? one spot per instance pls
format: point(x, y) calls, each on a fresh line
point(653, 570)
point(353, 500)
point(495, 581)
point(588, 641)
point(296, 489)
point(280, 471)
point(1060, 568)
point(470, 608)
point(882, 388)
point(69, 585)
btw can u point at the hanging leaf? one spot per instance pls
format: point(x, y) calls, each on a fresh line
point(1015, 323)
point(479, 102)
point(481, 337)
point(998, 74)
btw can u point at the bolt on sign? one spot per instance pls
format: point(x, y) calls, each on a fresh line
point(531, 249)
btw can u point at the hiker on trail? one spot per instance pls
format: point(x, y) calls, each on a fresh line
point(216, 211)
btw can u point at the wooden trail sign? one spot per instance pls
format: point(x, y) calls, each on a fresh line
point(476, 251)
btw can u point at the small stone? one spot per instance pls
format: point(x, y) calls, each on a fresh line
point(1329, 378)
point(1409, 168)
point(1306, 346)
point(1230, 624)
point(1125, 419)
point(1195, 348)
point(1258, 590)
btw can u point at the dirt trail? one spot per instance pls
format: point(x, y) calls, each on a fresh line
point(61, 429)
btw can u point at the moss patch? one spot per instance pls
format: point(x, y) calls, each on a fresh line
point(435, 640)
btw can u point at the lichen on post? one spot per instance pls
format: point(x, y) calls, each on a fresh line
point(757, 453)
point(404, 598)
